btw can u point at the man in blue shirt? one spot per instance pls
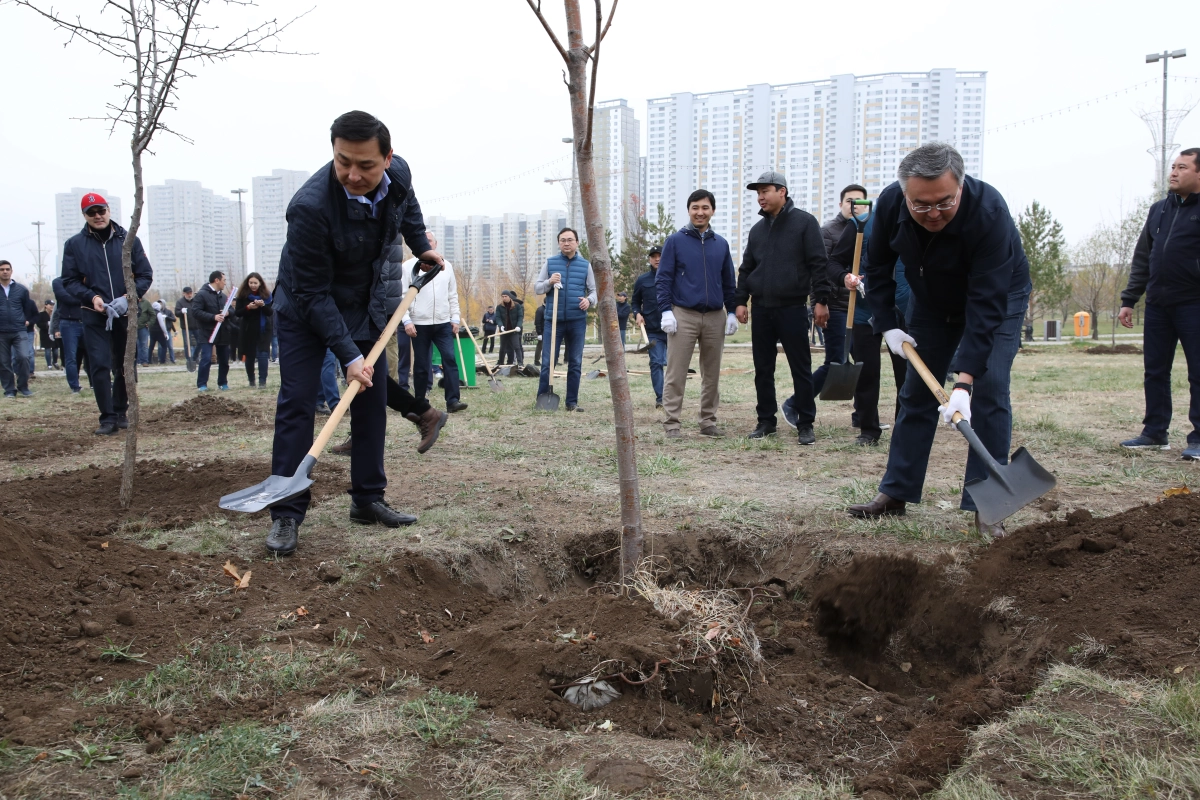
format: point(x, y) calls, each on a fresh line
point(577, 293)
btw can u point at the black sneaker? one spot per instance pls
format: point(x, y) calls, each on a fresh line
point(789, 412)
point(379, 512)
point(324, 409)
point(575, 408)
point(763, 431)
point(1144, 442)
point(122, 421)
point(106, 429)
point(284, 536)
point(805, 434)
point(865, 440)
point(453, 408)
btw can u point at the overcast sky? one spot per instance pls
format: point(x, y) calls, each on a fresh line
point(473, 95)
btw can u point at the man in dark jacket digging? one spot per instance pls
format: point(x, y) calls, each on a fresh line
point(332, 293)
point(92, 272)
point(784, 262)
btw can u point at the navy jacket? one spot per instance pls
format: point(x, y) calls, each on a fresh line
point(489, 322)
point(842, 257)
point(65, 303)
point(1166, 261)
point(92, 266)
point(784, 261)
point(696, 272)
point(623, 312)
point(645, 301)
point(17, 310)
point(964, 273)
point(206, 304)
point(331, 276)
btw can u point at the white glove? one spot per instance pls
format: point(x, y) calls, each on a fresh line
point(895, 338)
point(668, 324)
point(960, 401)
point(731, 325)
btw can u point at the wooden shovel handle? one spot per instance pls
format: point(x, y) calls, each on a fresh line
point(858, 240)
point(935, 386)
point(478, 349)
point(553, 339)
point(352, 390)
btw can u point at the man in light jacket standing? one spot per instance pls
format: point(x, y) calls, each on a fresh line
point(695, 286)
point(577, 293)
point(433, 319)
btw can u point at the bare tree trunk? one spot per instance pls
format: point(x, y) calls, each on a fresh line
point(583, 98)
point(134, 412)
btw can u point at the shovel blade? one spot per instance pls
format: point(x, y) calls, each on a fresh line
point(591, 376)
point(548, 401)
point(495, 385)
point(841, 381)
point(1027, 481)
point(191, 365)
point(274, 489)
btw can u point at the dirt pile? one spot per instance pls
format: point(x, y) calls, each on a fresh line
point(33, 446)
point(166, 494)
point(203, 409)
point(1120, 349)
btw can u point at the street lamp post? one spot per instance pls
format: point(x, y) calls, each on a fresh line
point(40, 267)
point(574, 183)
point(1164, 57)
point(241, 232)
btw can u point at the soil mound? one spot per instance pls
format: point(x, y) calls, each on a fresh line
point(43, 445)
point(203, 409)
point(166, 494)
point(1121, 349)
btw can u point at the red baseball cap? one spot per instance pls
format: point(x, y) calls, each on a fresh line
point(91, 199)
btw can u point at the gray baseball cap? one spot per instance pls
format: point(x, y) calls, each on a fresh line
point(768, 178)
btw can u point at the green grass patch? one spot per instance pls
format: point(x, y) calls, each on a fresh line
point(660, 464)
point(437, 716)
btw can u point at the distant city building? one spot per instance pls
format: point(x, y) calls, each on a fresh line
point(821, 134)
point(271, 195)
point(191, 233)
point(503, 248)
point(68, 216)
point(617, 148)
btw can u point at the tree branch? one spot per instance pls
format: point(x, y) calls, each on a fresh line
point(607, 25)
point(537, 10)
point(595, 54)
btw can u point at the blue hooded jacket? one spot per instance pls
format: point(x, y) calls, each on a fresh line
point(696, 272)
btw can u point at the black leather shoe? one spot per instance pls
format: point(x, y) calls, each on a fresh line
point(881, 506)
point(804, 433)
point(763, 431)
point(106, 429)
point(284, 536)
point(379, 512)
point(866, 440)
point(122, 421)
point(456, 407)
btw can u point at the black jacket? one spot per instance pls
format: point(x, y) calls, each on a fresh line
point(645, 301)
point(964, 272)
point(623, 312)
point(331, 268)
point(489, 322)
point(1166, 261)
point(831, 234)
point(509, 318)
point(206, 304)
point(539, 319)
point(66, 304)
point(784, 261)
point(17, 311)
point(255, 330)
point(92, 266)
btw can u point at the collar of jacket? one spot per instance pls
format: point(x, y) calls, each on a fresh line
point(690, 230)
point(1190, 200)
point(114, 231)
point(788, 206)
point(964, 208)
point(397, 190)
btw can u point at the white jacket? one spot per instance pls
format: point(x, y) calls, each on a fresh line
point(437, 302)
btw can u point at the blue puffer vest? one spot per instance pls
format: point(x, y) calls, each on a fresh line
point(574, 284)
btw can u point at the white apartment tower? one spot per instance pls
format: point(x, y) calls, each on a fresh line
point(192, 232)
point(68, 217)
point(271, 195)
point(500, 248)
point(822, 135)
point(617, 148)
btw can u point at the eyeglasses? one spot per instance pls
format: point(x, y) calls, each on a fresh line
point(939, 206)
point(96, 211)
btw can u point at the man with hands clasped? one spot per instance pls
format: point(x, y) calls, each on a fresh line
point(970, 286)
point(577, 293)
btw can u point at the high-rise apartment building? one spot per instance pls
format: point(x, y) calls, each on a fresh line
point(822, 135)
point(192, 232)
point(68, 216)
point(617, 148)
point(271, 195)
point(504, 248)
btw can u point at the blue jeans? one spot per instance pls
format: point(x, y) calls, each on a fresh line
point(13, 361)
point(571, 332)
point(143, 346)
point(441, 336)
point(658, 360)
point(71, 331)
point(835, 348)
point(991, 408)
point(1167, 327)
point(274, 345)
point(622, 326)
point(262, 356)
point(30, 350)
point(327, 390)
point(206, 360)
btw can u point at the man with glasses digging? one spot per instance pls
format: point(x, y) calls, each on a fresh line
point(970, 284)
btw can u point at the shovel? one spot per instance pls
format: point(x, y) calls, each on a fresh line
point(1008, 487)
point(644, 347)
point(493, 384)
point(187, 343)
point(278, 488)
point(549, 401)
point(842, 379)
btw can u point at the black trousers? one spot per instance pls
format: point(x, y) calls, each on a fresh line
point(789, 326)
point(399, 399)
point(489, 344)
point(865, 348)
point(106, 363)
point(301, 356)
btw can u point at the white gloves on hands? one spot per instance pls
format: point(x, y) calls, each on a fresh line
point(669, 325)
point(960, 401)
point(731, 325)
point(895, 338)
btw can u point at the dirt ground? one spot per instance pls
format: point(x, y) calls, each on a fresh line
point(848, 658)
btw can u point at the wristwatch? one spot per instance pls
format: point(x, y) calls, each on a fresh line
point(969, 388)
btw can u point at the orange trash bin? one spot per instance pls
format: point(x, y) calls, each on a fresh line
point(1083, 324)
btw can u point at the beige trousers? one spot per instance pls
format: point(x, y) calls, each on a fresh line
point(707, 328)
point(393, 355)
